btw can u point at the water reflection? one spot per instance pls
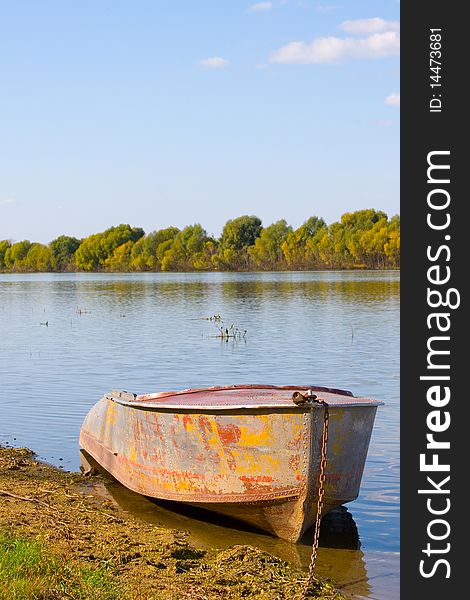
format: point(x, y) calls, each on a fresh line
point(339, 558)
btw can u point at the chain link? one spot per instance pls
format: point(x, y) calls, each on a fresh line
point(321, 492)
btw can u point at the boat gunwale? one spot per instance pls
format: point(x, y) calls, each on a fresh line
point(243, 386)
point(161, 400)
point(236, 408)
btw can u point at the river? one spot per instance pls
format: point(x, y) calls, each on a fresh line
point(65, 339)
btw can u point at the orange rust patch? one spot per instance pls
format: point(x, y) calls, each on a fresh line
point(256, 478)
point(205, 423)
point(180, 474)
point(228, 434)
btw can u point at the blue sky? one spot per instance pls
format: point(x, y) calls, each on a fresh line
point(159, 113)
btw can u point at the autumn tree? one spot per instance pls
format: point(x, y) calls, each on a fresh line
point(63, 250)
point(267, 252)
point(16, 254)
point(119, 260)
point(237, 236)
point(4, 245)
point(94, 250)
point(392, 245)
point(144, 253)
point(38, 259)
point(298, 247)
point(361, 239)
point(187, 251)
point(342, 248)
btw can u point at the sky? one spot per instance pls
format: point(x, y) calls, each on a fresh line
point(158, 113)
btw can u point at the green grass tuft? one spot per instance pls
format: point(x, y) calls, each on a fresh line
point(30, 571)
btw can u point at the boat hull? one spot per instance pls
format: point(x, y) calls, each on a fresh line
point(258, 465)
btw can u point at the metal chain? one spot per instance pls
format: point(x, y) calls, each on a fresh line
point(321, 492)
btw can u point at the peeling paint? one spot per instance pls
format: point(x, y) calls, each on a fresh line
point(226, 457)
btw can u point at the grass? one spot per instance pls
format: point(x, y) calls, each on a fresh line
point(30, 571)
point(225, 333)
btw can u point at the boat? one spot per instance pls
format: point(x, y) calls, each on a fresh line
point(250, 452)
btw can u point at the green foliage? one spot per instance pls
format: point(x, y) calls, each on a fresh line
point(63, 250)
point(267, 251)
point(237, 236)
point(16, 254)
point(188, 250)
point(4, 245)
point(392, 246)
point(145, 255)
point(362, 239)
point(356, 241)
point(89, 254)
point(120, 258)
point(240, 232)
point(300, 246)
point(39, 258)
point(94, 250)
point(28, 571)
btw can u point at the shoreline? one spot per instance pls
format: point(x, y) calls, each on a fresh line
point(143, 561)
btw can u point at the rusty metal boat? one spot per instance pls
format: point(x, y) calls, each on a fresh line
point(251, 452)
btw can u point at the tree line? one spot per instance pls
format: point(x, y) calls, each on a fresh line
point(365, 239)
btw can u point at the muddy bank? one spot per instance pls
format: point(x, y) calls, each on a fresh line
point(148, 562)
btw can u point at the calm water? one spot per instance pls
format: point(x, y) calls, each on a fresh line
point(65, 339)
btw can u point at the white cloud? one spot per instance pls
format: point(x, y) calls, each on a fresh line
point(259, 6)
point(215, 62)
point(8, 201)
point(393, 99)
point(368, 26)
point(333, 49)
